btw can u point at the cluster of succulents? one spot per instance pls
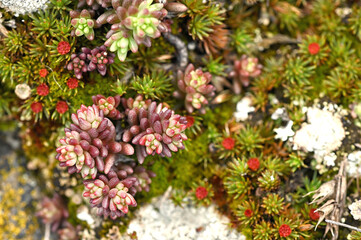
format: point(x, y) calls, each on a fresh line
point(90, 60)
point(132, 23)
point(154, 129)
point(138, 23)
point(89, 145)
point(90, 148)
point(110, 196)
point(241, 114)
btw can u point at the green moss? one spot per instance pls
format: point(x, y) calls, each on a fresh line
point(187, 166)
point(160, 183)
point(219, 115)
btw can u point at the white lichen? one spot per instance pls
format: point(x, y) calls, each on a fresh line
point(19, 7)
point(162, 220)
point(356, 210)
point(23, 91)
point(322, 134)
point(84, 215)
point(244, 107)
point(284, 133)
point(354, 164)
point(280, 113)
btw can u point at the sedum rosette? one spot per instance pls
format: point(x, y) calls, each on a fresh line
point(194, 86)
point(98, 59)
point(133, 23)
point(90, 60)
point(110, 196)
point(78, 64)
point(83, 24)
point(89, 144)
point(245, 68)
point(108, 105)
point(155, 130)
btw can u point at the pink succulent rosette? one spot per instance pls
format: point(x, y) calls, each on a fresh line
point(245, 68)
point(89, 144)
point(108, 105)
point(52, 211)
point(110, 196)
point(194, 87)
point(155, 130)
point(137, 103)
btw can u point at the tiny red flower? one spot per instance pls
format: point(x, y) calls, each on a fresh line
point(62, 107)
point(253, 164)
point(36, 107)
point(42, 89)
point(228, 143)
point(43, 72)
point(201, 192)
point(285, 230)
point(190, 121)
point(248, 213)
point(314, 215)
point(313, 48)
point(72, 83)
point(63, 47)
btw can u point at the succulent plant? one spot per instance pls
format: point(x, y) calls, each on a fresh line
point(195, 88)
point(89, 60)
point(94, 4)
point(83, 24)
point(133, 23)
point(113, 193)
point(89, 144)
point(68, 232)
point(52, 211)
point(99, 58)
point(78, 64)
point(110, 195)
point(131, 169)
point(108, 105)
point(137, 103)
point(244, 68)
point(154, 130)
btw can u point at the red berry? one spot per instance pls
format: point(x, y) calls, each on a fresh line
point(36, 107)
point(72, 83)
point(201, 192)
point(190, 121)
point(228, 143)
point(62, 107)
point(43, 72)
point(314, 215)
point(313, 48)
point(42, 89)
point(63, 47)
point(253, 164)
point(248, 213)
point(285, 230)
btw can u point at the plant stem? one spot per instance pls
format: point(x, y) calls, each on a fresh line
point(343, 225)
